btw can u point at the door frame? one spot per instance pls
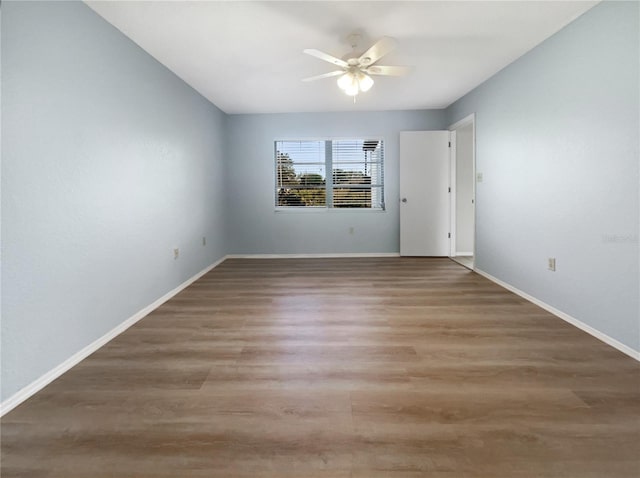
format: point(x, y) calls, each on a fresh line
point(469, 119)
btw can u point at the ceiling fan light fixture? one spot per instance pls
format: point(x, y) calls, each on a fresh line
point(345, 81)
point(353, 82)
point(353, 89)
point(364, 81)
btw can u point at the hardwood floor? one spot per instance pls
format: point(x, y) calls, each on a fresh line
point(359, 368)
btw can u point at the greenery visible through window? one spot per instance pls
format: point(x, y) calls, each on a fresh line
point(356, 178)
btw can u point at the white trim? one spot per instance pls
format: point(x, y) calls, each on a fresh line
point(471, 118)
point(625, 349)
point(467, 120)
point(464, 254)
point(327, 210)
point(453, 188)
point(328, 255)
point(38, 384)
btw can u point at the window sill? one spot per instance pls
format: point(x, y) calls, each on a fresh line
point(325, 210)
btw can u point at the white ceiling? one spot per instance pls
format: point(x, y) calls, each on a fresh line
point(246, 57)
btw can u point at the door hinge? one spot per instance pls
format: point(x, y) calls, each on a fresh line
point(449, 190)
point(449, 235)
point(449, 143)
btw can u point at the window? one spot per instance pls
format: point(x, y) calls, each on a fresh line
point(355, 179)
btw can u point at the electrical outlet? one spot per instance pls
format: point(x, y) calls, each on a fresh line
point(204, 240)
point(552, 264)
point(479, 177)
point(176, 253)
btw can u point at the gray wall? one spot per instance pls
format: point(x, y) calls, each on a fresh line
point(108, 162)
point(254, 225)
point(557, 143)
point(464, 190)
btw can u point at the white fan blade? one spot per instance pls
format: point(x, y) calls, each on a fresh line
point(389, 70)
point(377, 51)
point(326, 75)
point(326, 57)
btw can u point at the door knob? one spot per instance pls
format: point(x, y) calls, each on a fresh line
point(404, 199)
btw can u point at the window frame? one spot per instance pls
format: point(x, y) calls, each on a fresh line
point(329, 186)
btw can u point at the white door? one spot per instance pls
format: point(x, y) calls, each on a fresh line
point(424, 193)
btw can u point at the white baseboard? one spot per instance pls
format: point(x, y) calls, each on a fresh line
point(465, 254)
point(625, 349)
point(37, 385)
point(314, 256)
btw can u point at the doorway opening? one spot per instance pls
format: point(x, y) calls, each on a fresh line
point(463, 191)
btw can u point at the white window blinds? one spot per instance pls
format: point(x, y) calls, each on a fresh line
point(356, 178)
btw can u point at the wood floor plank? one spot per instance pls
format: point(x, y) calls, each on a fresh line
point(323, 377)
point(341, 368)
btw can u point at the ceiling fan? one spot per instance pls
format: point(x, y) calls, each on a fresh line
point(356, 70)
